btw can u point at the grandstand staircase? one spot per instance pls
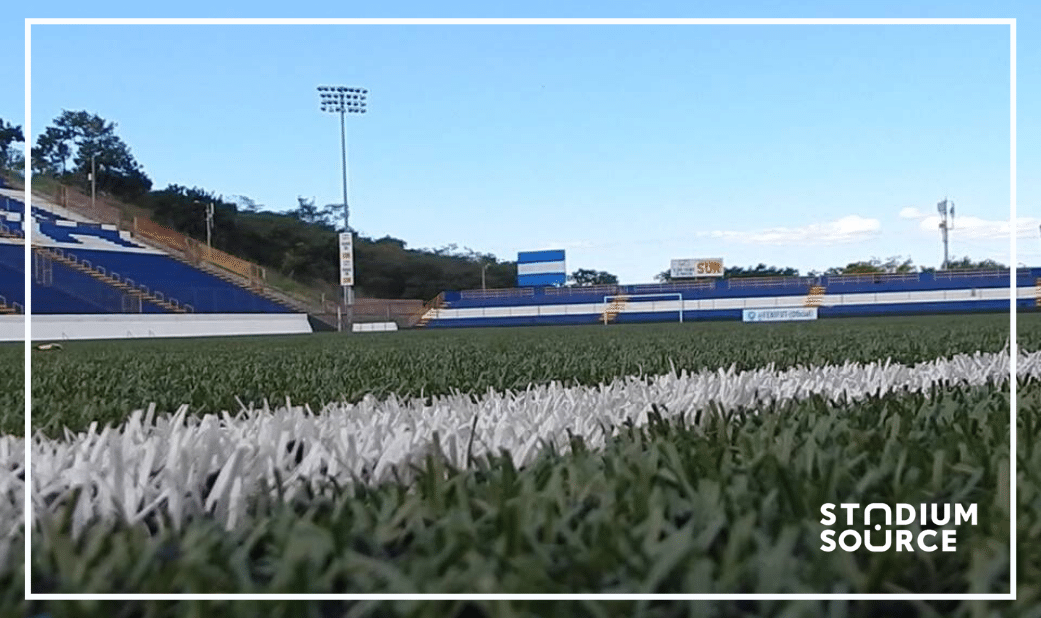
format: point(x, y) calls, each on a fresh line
point(228, 277)
point(614, 308)
point(235, 279)
point(242, 282)
point(816, 296)
point(12, 309)
point(431, 311)
point(5, 232)
point(201, 257)
point(113, 280)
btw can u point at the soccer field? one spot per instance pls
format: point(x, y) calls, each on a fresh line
point(104, 381)
point(639, 458)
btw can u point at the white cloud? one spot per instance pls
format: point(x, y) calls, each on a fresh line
point(983, 229)
point(848, 229)
point(911, 213)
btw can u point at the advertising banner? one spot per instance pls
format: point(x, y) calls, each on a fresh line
point(692, 268)
point(789, 314)
point(346, 259)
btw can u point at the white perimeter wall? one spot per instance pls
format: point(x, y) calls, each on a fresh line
point(126, 326)
point(751, 302)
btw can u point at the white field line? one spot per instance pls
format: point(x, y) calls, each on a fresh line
point(155, 462)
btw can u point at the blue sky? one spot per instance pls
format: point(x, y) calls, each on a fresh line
point(804, 146)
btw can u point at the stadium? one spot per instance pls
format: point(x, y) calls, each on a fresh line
point(98, 280)
point(111, 278)
point(208, 416)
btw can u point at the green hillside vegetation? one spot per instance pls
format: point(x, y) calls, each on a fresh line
point(302, 244)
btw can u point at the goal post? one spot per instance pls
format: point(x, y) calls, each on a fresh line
point(642, 298)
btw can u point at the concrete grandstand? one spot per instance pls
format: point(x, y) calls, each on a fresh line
point(125, 270)
point(729, 299)
point(83, 269)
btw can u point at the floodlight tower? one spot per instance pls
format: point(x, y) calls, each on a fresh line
point(344, 100)
point(946, 224)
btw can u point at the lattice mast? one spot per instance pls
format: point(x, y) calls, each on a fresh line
point(946, 224)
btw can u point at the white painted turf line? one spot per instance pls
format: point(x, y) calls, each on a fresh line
point(162, 462)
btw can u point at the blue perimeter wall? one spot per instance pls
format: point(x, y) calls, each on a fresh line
point(796, 288)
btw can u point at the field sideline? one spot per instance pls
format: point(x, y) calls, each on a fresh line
point(724, 500)
point(104, 381)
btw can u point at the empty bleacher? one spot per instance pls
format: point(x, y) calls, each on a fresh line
point(12, 278)
point(206, 293)
point(84, 267)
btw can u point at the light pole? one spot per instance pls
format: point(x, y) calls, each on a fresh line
point(485, 268)
point(93, 181)
point(209, 221)
point(209, 224)
point(344, 100)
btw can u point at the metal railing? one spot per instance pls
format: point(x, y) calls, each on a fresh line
point(435, 303)
point(197, 252)
point(599, 290)
point(496, 293)
point(44, 275)
point(874, 278)
point(959, 274)
point(671, 286)
point(769, 282)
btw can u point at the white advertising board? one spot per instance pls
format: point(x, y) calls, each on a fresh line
point(789, 314)
point(346, 259)
point(691, 268)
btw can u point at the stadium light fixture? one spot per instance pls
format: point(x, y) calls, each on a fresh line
point(343, 100)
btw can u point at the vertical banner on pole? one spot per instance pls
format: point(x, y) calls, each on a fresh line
point(346, 259)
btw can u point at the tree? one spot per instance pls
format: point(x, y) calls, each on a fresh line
point(9, 134)
point(762, 270)
point(966, 263)
point(327, 217)
point(332, 215)
point(585, 276)
point(894, 264)
point(52, 151)
point(90, 141)
point(246, 204)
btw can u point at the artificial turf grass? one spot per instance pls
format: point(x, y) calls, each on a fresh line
point(104, 381)
point(731, 506)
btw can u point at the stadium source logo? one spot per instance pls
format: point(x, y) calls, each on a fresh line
point(872, 538)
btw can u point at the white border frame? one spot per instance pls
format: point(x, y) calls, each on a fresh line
point(1010, 22)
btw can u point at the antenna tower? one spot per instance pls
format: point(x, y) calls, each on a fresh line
point(946, 224)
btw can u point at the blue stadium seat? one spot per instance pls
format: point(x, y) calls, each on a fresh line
point(12, 273)
point(206, 293)
point(64, 234)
